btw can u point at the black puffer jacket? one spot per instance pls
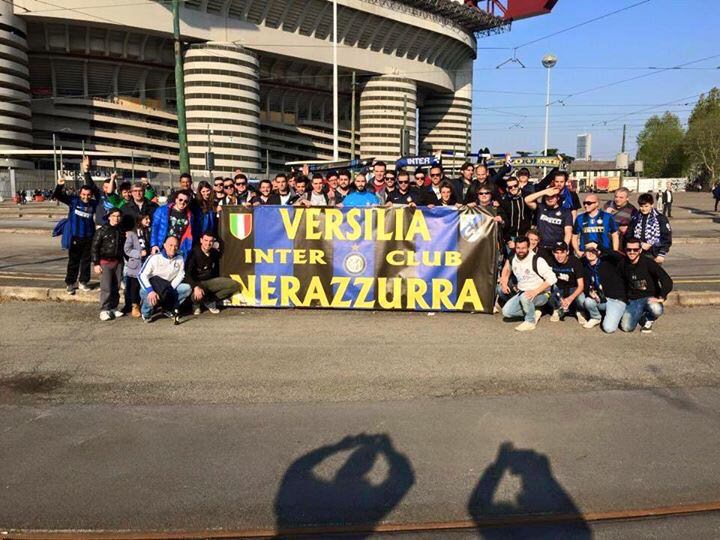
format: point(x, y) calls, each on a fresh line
point(108, 243)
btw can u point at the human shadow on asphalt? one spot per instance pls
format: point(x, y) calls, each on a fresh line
point(541, 508)
point(324, 489)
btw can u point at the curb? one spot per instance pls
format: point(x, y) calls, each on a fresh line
point(48, 294)
point(25, 231)
point(675, 298)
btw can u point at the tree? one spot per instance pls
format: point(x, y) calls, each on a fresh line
point(703, 136)
point(661, 146)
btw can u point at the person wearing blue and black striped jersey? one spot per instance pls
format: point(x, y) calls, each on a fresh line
point(596, 226)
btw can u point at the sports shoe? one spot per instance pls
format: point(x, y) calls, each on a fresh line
point(538, 314)
point(496, 308)
point(592, 323)
point(135, 311)
point(581, 318)
point(105, 316)
point(212, 308)
point(117, 313)
point(176, 317)
point(197, 310)
point(525, 326)
point(70, 289)
point(146, 319)
point(168, 314)
point(647, 327)
point(84, 287)
point(555, 317)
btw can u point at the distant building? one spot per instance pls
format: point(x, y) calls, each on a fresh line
point(584, 147)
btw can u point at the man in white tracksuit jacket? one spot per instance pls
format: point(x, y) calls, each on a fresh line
point(535, 278)
point(161, 281)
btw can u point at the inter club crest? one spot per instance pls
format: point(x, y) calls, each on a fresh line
point(241, 225)
point(471, 227)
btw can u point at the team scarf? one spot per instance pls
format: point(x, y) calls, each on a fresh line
point(652, 228)
point(567, 200)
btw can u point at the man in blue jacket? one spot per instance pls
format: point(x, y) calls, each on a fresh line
point(174, 219)
point(361, 196)
point(81, 223)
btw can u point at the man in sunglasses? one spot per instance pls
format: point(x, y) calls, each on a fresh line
point(430, 195)
point(648, 286)
point(553, 222)
point(518, 214)
point(174, 220)
point(243, 191)
point(218, 192)
point(420, 178)
point(595, 225)
point(405, 193)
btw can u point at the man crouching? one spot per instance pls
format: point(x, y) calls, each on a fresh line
point(161, 282)
point(202, 272)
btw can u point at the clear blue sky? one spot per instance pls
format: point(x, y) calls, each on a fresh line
point(659, 33)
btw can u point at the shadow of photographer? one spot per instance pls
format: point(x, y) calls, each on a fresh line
point(541, 508)
point(358, 492)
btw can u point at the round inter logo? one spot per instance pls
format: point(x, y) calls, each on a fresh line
point(354, 263)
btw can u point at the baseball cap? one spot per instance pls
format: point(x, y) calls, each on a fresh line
point(560, 246)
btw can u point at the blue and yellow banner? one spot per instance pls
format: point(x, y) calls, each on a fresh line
point(422, 259)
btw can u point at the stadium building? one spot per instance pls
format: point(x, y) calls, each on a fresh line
point(258, 78)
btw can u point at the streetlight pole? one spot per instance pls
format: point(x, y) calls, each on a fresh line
point(55, 168)
point(548, 61)
point(336, 136)
point(180, 91)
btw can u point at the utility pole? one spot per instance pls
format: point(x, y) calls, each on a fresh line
point(180, 90)
point(352, 120)
point(622, 149)
point(404, 146)
point(55, 167)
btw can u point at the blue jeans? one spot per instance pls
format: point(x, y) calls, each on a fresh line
point(519, 306)
point(637, 310)
point(172, 301)
point(614, 310)
point(556, 296)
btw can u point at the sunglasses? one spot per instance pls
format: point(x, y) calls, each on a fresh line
point(182, 200)
point(484, 193)
point(589, 203)
point(219, 184)
point(633, 250)
point(434, 175)
point(228, 186)
point(403, 181)
point(241, 183)
point(593, 251)
point(514, 186)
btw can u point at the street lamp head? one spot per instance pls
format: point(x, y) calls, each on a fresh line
point(549, 60)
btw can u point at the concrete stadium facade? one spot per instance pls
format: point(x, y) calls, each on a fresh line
point(258, 76)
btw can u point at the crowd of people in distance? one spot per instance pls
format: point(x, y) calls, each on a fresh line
point(603, 265)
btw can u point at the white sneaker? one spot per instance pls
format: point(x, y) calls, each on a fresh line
point(197, 310)
point(117, 313)
point(496, 308)
point(525, 326)
point(212, 308)
point(555, 317)
point(105, 316)
point(592, 323)
point(538, 314)
point(647, 327)
point(84, 287)
point(581, 318)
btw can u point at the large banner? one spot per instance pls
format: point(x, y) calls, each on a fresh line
point(426, 259)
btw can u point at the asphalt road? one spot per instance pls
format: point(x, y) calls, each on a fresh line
point(257, 419)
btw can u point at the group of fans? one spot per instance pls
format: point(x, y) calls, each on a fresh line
point(601, 265)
